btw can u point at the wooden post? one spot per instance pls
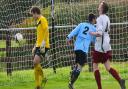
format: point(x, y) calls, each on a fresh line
point(8, 52)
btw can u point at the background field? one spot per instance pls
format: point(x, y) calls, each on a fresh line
point(60, 80)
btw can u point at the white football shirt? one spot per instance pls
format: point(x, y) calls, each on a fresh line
point(103, 27)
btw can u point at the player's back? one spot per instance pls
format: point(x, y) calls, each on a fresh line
point(84, 38)
point(103, 26)
point(42, 31)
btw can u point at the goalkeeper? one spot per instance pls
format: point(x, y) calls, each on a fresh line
point(42, 45)
point(81, 46)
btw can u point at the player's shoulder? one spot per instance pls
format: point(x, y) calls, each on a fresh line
point(83, 24)
point(92, 27)
point(103, 17)
point(43, 19)
point(87, 24)
point(100, 17)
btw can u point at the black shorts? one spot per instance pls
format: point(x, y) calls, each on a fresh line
point(37, 51)
point(81, 57)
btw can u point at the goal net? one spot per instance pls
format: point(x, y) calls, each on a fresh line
point(16, 60)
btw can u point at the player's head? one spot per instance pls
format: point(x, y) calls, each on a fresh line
point(92, 18)
point(35, 12)
point(103, 8)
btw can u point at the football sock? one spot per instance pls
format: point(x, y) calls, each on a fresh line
point(38, 74)
point(74, 74)
point(98, 79)
point(40, 71)
point(114, 73)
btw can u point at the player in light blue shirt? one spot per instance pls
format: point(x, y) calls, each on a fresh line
point(81, 46)
point(83, 37)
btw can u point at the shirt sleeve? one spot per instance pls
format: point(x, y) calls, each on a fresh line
point(99, 26)
point(74, 32)
point(93, 38)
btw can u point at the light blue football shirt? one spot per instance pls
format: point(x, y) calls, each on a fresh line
point(83, 36)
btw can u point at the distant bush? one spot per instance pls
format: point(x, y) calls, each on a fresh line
point(76, 12)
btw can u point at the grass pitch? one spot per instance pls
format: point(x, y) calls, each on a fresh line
point(25, 79)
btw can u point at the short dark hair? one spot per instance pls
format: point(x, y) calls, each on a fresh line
point(35, 10)
point(91, 16)
point(105, 7)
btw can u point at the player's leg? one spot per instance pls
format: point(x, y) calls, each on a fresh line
point(112, 71)
point(97, 58)
point(115, 74)
point(37, 68)
point(80, 61)
point(97, 75)
point(44, 56)
point(75, 73)
point(37, 71)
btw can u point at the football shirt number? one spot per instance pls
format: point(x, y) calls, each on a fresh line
point(86, 30)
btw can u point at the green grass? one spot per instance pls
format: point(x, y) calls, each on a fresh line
point(25, 79)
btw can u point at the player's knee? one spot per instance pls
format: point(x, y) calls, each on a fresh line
point(76, 73)
point(77, 68)
point(107, 68)
point(95, 67)
point(36, 60)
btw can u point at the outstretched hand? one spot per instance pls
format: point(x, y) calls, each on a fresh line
point(95, 34)
point(68, 41)
point(33, 50)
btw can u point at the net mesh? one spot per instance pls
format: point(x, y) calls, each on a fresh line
point(15, 59)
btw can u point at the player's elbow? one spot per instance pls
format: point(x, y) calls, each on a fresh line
point(98, 35)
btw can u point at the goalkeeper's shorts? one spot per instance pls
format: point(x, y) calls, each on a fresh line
point(81, 57)
point(38, 51)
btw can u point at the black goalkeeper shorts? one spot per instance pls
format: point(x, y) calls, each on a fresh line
point(38, 52)
point(81, 57)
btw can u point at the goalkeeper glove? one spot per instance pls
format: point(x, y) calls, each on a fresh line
point(68, 41)
point(42, 48)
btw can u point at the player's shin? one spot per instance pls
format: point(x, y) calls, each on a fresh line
point(75, 73)
point(40, 71)
point(115, 74)
point(37, 76)
point(98, 78)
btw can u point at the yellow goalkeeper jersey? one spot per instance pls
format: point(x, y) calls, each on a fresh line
point(42, 32)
